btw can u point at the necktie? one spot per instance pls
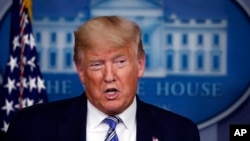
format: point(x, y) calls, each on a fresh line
point(112, 121)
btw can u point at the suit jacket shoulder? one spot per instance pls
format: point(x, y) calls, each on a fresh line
point(61, 120)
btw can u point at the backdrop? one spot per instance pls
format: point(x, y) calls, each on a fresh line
point(197, 54)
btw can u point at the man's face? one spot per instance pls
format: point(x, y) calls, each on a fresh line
point(110, 75)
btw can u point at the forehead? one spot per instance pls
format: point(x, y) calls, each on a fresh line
point(105, 44)
point(108, 52)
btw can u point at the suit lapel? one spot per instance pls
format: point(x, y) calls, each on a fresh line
point(147, 128)
point(72, 126)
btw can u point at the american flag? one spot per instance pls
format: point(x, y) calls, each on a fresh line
point(23, 84)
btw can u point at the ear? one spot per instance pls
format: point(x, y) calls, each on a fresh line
point(80, 72)
point(141, 65)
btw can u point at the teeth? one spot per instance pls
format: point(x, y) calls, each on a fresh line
point(111, 92)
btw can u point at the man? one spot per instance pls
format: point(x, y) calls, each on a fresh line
point(110, 59)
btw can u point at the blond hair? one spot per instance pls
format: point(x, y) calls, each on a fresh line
point(115, 29)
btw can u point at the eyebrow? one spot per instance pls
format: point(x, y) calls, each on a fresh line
point(94, 61)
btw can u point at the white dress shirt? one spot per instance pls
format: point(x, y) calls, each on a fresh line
point(97, 130)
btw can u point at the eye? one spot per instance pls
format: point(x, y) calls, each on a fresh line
point(95, 66)
point(121, 62)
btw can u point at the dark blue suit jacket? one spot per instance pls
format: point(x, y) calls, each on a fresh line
point(66, 121)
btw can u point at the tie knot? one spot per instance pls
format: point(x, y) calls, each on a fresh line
point(112, 121)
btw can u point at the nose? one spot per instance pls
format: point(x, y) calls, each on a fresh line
point(109, 76)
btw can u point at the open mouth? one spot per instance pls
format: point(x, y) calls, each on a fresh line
point(111, 91)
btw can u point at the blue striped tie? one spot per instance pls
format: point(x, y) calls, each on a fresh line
point(112, 121)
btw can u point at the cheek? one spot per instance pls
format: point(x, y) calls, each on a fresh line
point(93, 78)
point(129, 77)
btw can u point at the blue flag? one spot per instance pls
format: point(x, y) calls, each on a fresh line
point(23, 84)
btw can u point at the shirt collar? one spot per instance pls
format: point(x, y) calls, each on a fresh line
point(95, 116)
point(128, 116)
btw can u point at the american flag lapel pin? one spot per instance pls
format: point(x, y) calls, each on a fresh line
point(154, 139)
